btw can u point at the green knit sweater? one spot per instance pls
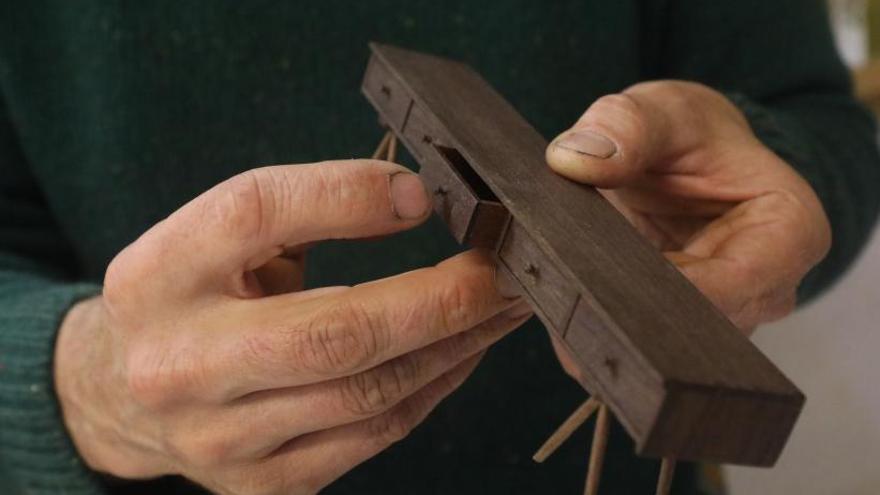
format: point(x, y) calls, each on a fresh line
point(113, 114)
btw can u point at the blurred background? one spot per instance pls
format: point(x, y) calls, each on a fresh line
point(831, 348)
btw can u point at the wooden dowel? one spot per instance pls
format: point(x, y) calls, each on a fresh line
point(667, 471)
point(383, 145)
point(392, 148)
point(577, 418)
point(597, 452)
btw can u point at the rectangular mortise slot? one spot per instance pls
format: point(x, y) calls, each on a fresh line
point(464, 169)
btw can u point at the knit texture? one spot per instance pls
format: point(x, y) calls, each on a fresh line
point(35, 450)
point(114, 114)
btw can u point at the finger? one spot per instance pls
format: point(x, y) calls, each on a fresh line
point(750, 261)
point(275, 416)
point(317, 459)
point(611, 144)
point(565, 360)
point(653, 199)
point(283, 342)
point(285, 273)
point(280, 276)
point(648, 126)
point(240, 224)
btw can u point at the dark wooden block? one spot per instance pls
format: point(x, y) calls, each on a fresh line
point(388, 92)
point(679, 376)
point(614, 372)
point(421, 134)
point(471, 211)
point(546, 286)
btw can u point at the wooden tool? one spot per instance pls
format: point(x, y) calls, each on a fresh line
point(683, 381)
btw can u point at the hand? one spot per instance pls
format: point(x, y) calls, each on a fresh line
point(682, 164)
point(199, 360)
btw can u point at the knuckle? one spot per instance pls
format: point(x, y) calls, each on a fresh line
point(402, 375)
point(261, 347)
point(786, 206)
point(157, 378)
point(625, 115)
point(116, 283)
point(354, 186)
point(201, 447)
point(146, 379)
point(124, 279)
point(677, 96)
point(619, 103)
point(624, 112)
point(350, 189)
point(359, 396)
point(677, 93)
point(343, 338)
point(367, 394)
point(329, 187)
point(804, 214)
point(693, 104)
point(394, 425)
point(244, 204)
point(459, 301)
point(455, 347)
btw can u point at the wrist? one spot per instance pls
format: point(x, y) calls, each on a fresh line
point(85, 382)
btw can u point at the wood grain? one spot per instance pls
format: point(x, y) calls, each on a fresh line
point(683, 381)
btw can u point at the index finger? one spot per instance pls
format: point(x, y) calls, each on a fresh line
point(282, 343)
point(750, 261)
point(240, 224)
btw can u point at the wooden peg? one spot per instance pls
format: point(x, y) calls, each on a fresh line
point(383, 145)
point(392, 147)
point(597, 451)
point(577, 418)
point(667, 471)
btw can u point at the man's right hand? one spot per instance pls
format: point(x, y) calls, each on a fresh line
point(194, 363)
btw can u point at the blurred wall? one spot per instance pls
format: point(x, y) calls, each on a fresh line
point(831, 349)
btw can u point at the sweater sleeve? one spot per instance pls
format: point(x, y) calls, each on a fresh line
point(776, 60)
point(36, 288)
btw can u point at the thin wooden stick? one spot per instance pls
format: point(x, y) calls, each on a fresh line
point(597, 451)
point(577, 418)
point(392, 148)
point(383, 145)
point(667, 471)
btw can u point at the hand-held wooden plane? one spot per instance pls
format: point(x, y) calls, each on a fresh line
point(677, 374)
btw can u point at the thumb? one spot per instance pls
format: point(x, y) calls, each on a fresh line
point(616, 139)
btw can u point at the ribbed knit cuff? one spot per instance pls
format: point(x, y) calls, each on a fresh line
point(36, 452)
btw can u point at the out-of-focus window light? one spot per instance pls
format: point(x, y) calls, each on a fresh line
point(849, 19)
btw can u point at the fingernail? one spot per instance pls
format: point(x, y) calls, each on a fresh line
point(588, 143)
point(518, 310)
point(409, 200)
